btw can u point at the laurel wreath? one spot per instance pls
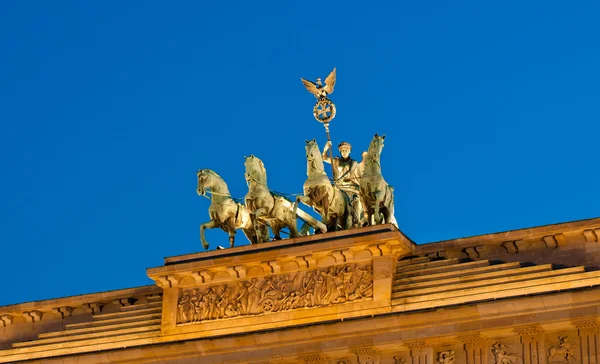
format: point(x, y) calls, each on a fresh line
point(324, 103)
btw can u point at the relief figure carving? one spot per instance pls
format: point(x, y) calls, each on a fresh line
point(446, 357)
point(502, 356)
point(276, 293)
point(564, 350)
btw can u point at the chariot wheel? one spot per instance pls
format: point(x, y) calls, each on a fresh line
point(268, 305)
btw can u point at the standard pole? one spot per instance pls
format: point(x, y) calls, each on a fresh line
point(333, 169)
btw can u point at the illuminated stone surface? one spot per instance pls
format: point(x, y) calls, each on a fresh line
point(366, 295)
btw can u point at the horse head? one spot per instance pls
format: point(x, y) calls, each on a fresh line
point(374, 152)
point(255, 169)
point(312, 150)
point(203, 176)
point(313, 158)
point(209, 179)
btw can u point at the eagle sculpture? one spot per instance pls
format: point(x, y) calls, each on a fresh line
point(318, 89)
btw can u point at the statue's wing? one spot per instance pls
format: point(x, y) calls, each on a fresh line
point(330, 82)
point(311, 87)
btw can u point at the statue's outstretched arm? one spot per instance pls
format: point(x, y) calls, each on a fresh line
point(326, 158)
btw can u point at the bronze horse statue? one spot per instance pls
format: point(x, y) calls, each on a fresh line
point(377, 196)
point(224, 212)
point(327, 200)
point(264, 207)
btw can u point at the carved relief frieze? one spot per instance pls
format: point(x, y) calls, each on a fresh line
point(563, 351)
point(277, 293)
point(446, 357)
point(502, 356)
point(398, 360)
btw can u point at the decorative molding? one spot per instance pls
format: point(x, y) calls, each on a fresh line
point(338, 256)
point(32, 316)
point(591, 236)
point(270, 266)
point(6, 320)
point(93, 307)
point(62, 312)
point(375, 250)
point(127, 301)
point(241, 270)
point(315, 357)
point(348, 255)
point(364, 351)
point(168, 281)
point(303, 261)
point(470, 338)
point(233, 273)
point(528, 330)
point(511, 246)
point(304, 289)
point(476, 252)
point(202, 276)
point(416, 345)
point(471, 252)
point(554, 241)
point(585, 324)
point(438, 255)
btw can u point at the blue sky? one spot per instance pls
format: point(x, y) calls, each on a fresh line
point(108, 108)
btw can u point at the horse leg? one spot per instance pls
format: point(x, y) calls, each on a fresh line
point(255, 216)
point(231, 231)
point(276, 228)
point(207, 225)
point(293, 229)
point(378, 199)
point(251, 235)
point(367, 214)
point(304, 229)
point(356, 211)
point(349, 217)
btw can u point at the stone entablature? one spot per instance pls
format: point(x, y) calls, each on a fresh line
point(358, 296)
point(540, 244)
point(351, 269)
point(277, 293)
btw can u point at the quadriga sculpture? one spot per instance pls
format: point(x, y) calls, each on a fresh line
point(330, 202)
point(224, 212)
point(263, 206)
point(377, 196)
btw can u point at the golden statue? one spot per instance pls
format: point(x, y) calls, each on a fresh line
point(319, 90)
